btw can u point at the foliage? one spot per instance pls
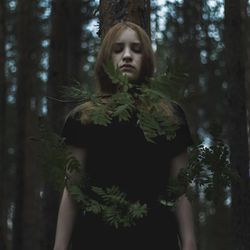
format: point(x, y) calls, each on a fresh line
point(208, 167)
point(111, 204)
point(80, 94)
point(143, 100)
point(173, 81)
point(54, 155)
point(58, 165)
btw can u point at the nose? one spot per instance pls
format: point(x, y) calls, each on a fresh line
point(127, 55)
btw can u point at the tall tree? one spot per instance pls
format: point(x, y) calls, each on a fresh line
point(213, 61)
point(28, 55)
point(247, 22)
point(181, 45)
point(192, 11)
point(65, 54)
point(237, 119)
point(213, 77)
point(3, 96)
point(67, 21)
point(193, 35)
point(112, 12)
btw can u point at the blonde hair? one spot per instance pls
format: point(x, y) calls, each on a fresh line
point(105, 85)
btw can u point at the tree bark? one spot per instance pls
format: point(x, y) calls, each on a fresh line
point(112, 12)
point(64, 70)
point(192, 11)
point(65, 55)
point(247, 18)
point(237, 125)
point(28, 48)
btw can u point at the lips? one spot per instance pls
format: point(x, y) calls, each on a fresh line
point(127, 67)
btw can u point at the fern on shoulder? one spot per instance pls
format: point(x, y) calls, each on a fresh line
point(143, 100)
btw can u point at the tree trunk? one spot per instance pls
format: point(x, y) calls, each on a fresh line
point(74, 51)
point(247, 18)
point(65, 55)
point(25, 222)
point(56, 78)
point(112, 12)
point(192, 11)
point(237, 125)
point(58, 71)
point(3, 95)
point(64, 69)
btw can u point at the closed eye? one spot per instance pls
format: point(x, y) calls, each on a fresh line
point(136, 47)
point(117, 47)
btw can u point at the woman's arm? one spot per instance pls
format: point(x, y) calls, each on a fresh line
point(65, 221)
point(68, 209)
point(184, 211)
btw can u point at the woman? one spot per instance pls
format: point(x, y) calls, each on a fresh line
point(118, 154)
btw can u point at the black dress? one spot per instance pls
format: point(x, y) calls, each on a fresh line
point(119, 154)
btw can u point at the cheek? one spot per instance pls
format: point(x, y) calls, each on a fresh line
point(115, 59)
point(139, 63)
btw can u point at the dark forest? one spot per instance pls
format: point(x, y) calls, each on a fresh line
point(46, 45)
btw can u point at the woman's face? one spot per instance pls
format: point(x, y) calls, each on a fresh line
point(127, 54)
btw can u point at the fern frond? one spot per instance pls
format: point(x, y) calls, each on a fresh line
point(116, 76)
point(111, 195)
point(138, 211)
point(100, 115)
point(76, 92)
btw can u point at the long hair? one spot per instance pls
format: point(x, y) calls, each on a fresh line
point(104, 84)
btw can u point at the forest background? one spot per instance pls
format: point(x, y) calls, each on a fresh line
point(45, 45)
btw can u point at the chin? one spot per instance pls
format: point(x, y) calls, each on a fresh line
point(132, 78)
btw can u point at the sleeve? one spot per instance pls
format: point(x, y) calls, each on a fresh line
point(183, 138)
point(74, 132)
